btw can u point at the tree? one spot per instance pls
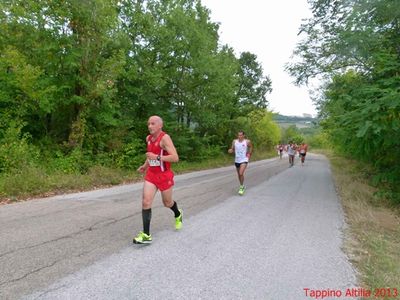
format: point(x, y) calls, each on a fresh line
point(292, 133)
point(253, 85)
point(81, 78)
point(355, 45)
point(74, 49)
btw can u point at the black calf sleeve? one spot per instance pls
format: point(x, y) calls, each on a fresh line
point(146, 216)
point(175, 209)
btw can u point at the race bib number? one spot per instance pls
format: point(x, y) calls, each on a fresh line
point(154, 163)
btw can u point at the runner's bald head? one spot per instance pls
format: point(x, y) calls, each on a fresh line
point(156, 119)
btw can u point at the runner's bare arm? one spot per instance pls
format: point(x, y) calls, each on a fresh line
point(232, 148)
point(167, 144)
point(143, 167)
point(250, 148)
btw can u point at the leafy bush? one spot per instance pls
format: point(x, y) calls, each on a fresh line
point(75, 162)
point(131, 155)
point(260, 128)
point(15, 151)
point(189, 146)
point(319, 141)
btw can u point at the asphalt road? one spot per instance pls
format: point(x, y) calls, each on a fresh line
point(282, 237)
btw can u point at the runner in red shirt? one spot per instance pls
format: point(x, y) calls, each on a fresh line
point(280, 150)
point(160, 154)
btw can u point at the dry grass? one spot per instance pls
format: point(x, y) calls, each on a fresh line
point(373, 237)
point(34, 182)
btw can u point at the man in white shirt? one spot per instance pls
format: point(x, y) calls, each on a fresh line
point(291, 150)
point(243, 149)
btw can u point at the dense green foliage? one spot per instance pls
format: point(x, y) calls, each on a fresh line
point(79, 79)
point(355, 46)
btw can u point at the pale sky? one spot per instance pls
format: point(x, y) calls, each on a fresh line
point(268, 29)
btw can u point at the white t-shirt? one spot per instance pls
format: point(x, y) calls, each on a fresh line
point(291, 150)
point(241, 151)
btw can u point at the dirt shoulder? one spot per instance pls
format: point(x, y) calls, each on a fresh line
point(373, 235)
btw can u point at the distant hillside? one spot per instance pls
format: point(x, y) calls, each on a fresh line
point(300, 122)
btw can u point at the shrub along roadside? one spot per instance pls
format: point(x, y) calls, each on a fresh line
point(373, 236)
point(36, 181)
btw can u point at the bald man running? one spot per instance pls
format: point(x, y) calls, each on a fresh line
point(160, 154)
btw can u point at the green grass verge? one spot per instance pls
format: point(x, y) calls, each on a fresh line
point(36, 182)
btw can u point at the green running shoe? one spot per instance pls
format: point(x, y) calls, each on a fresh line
point(142, 238)
point(241, 190)
point(178, 221)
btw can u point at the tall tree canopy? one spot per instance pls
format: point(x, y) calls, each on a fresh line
point(84, 76)
point(355, 46)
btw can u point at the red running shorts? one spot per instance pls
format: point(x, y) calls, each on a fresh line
point(163, 180)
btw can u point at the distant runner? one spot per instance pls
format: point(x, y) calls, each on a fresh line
point(303, 151)
point(280, 150)
point(160, 154)
point(243, 149)
point(291, 150)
